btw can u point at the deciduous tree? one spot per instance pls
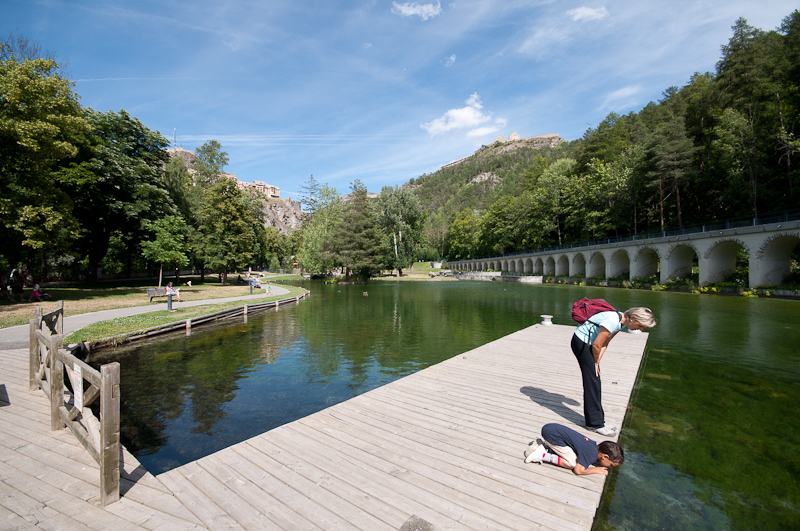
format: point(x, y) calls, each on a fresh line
point(317, 251)
point(168, 245)
point(41, 125)
point(211, 160)
point(226, 229)
point(118, 183)
point(400, 216)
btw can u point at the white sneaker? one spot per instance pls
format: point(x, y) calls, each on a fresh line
point(534, 454)
point(605, 431)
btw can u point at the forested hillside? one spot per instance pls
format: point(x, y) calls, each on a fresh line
point(723, 145)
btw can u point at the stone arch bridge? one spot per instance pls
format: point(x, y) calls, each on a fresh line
point(713, 248)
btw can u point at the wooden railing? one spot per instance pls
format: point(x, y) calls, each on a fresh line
point(188, 324)
point(69, 405)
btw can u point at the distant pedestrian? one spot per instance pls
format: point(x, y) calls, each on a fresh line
point(17, 285)
point(589, 343)
point(5, 287)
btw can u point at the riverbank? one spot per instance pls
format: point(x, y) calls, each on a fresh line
point(129, 293)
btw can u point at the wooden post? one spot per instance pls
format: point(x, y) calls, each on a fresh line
point(33, 354)
point(188, 327)
point(56, 383)
point(109, 433)
point(60, 322)
point(33, 347)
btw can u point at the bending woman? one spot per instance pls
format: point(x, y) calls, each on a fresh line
point(589, 343)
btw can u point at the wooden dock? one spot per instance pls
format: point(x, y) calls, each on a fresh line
point(443, 446)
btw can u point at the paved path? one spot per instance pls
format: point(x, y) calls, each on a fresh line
point(17, 336)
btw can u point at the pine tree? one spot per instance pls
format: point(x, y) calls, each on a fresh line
point(358, 246)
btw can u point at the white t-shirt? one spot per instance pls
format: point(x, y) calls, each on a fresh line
point(587, 332)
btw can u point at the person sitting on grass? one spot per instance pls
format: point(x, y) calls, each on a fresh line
point(567, 448)
point(173, 291)
point(38, 296)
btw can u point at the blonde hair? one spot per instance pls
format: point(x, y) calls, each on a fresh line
point(644, 316)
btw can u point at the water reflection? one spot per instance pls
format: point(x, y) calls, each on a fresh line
point(712, 436)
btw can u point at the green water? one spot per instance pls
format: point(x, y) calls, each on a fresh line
point(711, 439)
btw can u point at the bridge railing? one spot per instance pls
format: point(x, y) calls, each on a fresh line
point(732, 223)
point(51, 367)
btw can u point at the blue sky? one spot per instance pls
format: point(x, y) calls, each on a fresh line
point(381, 91)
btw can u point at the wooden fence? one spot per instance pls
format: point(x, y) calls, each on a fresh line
point(187, 324)
point(70, 404)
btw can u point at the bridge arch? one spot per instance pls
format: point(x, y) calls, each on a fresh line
point(597, 265)
point(562, 266)
point(620, 264)
point(720, 260)
point(550, 267)
point(528, 267)
point(679, 261)
point(645, 263)
point(774, 259)
point(578, 266)
point(538, 267)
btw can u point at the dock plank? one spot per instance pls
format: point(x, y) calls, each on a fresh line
point(444, 444)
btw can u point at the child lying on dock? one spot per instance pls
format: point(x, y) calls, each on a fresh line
point(567, 448)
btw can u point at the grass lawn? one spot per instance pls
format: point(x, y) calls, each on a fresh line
point(85, 298)
point(132, 323)
point(421, 271)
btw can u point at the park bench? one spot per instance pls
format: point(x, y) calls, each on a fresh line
point(156, 292)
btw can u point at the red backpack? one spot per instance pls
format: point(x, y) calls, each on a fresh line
point(585, 308)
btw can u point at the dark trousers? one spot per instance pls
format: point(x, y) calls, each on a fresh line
point(592, 409)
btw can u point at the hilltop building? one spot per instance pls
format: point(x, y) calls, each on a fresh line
point(273, 192)
point(189, 158)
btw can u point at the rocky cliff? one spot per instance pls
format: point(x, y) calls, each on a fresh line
point(283, 214)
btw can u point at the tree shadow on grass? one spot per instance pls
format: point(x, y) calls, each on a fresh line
point(555, 402)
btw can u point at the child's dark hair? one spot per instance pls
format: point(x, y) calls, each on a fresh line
point(613, 451)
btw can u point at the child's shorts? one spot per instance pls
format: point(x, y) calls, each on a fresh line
point(566, 453)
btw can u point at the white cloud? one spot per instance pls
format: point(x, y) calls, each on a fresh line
point(543, 40)
point(367, 45)
point(233, 45)
point(469, 117)
point(482, 131)
point(410, 9)
point(622, 98)
point(448, 61)
point(552, 33)
point(587, 13)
